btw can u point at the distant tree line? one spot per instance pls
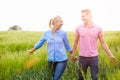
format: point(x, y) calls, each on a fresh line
point(15, 27)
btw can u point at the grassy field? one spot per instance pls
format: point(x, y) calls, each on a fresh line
point(17, 64)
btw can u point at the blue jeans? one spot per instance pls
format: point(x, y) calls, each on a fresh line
point(59, 68)
point(84, 63)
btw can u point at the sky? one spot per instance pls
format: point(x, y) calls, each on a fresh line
point(34, 15)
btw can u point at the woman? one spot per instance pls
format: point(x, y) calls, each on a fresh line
point(57, 41)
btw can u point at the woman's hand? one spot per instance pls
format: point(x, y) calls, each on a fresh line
point(74, 58)
point(31, 50)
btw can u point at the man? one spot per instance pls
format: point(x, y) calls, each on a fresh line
point(87, 35)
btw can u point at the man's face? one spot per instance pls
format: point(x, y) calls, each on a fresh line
point(86, 17)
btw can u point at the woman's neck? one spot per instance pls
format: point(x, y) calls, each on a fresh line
point(54, 30)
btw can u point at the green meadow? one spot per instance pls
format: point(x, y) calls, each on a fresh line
point(17, 64)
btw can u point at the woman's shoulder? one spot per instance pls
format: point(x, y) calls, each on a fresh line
point(48, 31)
point(62, 31)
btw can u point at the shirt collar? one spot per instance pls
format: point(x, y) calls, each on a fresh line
point(90, 27)
point(56, 31)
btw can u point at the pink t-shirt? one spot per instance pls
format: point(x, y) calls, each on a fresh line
point(88, 40)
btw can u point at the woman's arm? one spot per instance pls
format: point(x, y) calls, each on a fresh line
point(66, 43)
point(38, 44)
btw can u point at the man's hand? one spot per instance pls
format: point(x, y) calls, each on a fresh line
point(113, 59)
point(74, 58)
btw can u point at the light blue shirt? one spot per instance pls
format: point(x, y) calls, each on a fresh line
point(56, 45)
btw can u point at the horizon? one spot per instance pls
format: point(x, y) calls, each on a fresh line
point(63, 28)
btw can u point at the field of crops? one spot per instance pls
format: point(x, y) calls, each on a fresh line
point(17, 64)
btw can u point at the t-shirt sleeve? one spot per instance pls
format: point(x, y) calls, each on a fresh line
point(100, 33)
point(77, 31)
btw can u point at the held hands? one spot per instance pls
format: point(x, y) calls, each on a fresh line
point(73, 57)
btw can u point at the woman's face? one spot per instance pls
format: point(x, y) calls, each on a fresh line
point(58, 23)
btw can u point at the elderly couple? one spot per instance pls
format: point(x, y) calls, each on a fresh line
point(86, 35)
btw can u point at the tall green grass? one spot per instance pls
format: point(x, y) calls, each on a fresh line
point(17, 64)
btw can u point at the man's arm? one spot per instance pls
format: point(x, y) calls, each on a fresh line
point(75, 44)
point(106, 48)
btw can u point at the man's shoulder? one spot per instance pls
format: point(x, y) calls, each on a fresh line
point(97, 26)
point(79, 26)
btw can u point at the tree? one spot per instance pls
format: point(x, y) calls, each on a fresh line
point(15, 27)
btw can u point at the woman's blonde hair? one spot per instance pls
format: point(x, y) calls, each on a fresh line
point(52, 21)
